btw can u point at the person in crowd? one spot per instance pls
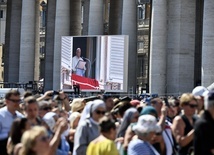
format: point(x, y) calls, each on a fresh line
point(108, 99)
point(131, 116)
point(88, 128)
point(182, 126)
point(77, 105)
point(172, 111)
point(204, 127)
point(36, 141)
point(145, 130)
point(49, 96)
point(44, 108)
point(200, 92)
point(75, 60)
point(104, 144)
point(7, 116)
point(74, 121)
point(175, 106)
point(19, 126)
point(32, 111)
point(51, 119)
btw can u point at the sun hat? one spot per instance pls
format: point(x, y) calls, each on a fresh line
point(147, 124)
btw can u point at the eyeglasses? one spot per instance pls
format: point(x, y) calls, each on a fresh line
point(100, 112)
point(193, 105)
point(15, 101)
point(44, 138)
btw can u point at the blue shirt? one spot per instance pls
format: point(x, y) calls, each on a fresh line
point(6, 120)
point(139, 147)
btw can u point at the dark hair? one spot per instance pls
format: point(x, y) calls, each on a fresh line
point(12, 92)
point(16, 131)
point(106, 124)
point(27, 94)
point(30, 100)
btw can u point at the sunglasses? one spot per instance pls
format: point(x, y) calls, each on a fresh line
point(44, 138)
point(193, 105)
point(100, 112)
point(15, 101)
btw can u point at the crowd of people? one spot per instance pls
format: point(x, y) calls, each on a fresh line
point(52, 124)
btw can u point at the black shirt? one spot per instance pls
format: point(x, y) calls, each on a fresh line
point(204, 135)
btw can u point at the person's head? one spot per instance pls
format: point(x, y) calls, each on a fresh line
point(35, 141)
point(108, 99)
point(31, 107)
point(131, 116)
point(107, 128)
point(209, 103)
point(149, 110)
point(200, 92)
point(12, 99)
point(27, 94)
point(157, 103)
point(188, 103)
point(44, 108)
point(19, 126)
point(77, 105)
point(98, 110)
point(50, 119)
point(121, 107)
point(146, 127)
point(78, 52)
point(74, 119)
point(174, 108)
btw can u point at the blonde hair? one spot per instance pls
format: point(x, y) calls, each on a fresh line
point(29, 140)
point(186, 98)
point(77, 105)
point(73, 117)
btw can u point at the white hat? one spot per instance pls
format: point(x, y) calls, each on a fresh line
point(200, 91)
point(146, 124)
point(49, 120)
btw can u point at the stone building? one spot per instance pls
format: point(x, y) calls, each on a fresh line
point(170, 41)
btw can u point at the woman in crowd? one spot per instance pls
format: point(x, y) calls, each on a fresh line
point(74, 120)
point(130, 116)
point(36, 140)
point(182, 126)
point(51, 120)
point(19, 126)
point(88, 129)
point(145, 130)
point(104, 144)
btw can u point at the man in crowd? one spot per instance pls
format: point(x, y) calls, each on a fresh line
point(7, 116)
point(204, 127)
point(78, 64)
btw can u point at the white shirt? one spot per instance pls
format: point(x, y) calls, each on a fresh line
point(6, 120)
point(75, 60)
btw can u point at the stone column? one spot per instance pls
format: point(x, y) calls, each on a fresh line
point(49, 44)
point(93, 17)
point(27, 42)
point(208, 44)
point(115, 17)
point(37, 41)
point(12, 47)
point(157, 68)
point(181, 46)
point(129, 27)
point(75, 17)
point(62, 28)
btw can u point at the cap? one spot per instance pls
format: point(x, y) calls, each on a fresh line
point(200, 91)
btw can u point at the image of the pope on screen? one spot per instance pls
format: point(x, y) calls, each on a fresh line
point(94, 63)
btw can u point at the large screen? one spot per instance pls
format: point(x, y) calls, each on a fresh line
point(95, 63)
